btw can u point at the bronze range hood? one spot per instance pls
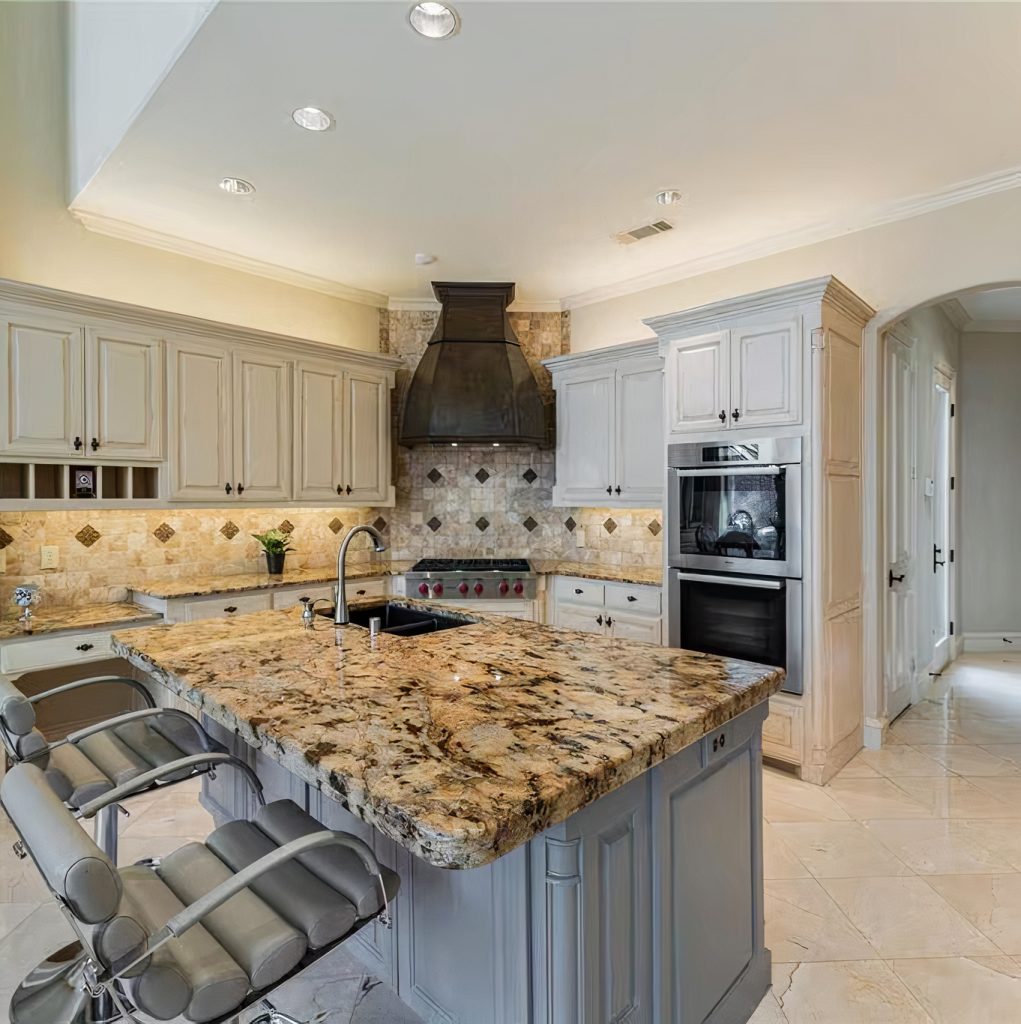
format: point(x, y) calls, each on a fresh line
point(473, 385)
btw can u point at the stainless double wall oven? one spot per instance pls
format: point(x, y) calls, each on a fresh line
point(734, 551)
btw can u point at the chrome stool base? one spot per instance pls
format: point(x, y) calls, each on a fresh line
point(56, 992)
point(274, 1016)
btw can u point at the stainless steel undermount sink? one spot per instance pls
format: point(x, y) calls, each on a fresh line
point(398, 619)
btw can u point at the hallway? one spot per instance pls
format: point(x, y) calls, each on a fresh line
point(893, 894)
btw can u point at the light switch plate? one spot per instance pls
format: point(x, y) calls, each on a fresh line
point(49, 556)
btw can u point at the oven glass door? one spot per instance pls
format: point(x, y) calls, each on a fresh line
point(751, 619)
point(720, 518)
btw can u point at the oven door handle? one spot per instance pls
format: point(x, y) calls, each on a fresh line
point(733, 471)
point(731, 581)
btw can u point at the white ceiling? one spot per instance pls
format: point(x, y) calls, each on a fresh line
point(1002, 306)
point(516, 149)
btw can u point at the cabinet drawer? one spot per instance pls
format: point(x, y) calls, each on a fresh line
point(227, 605)
point(366, 588)
point(578, 591)
point(782, 732)
point(49, 652)
point(289, 598)
point(634, 600)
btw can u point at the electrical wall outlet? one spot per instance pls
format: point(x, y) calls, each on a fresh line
point(49, 556)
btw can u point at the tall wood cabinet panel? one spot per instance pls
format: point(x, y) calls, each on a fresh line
point(639, 424)
point(42, 384)
point(318, 431)
point(124, 394)
point(262, 427)
point(366, 437)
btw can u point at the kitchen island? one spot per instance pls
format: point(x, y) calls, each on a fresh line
point(576, 820)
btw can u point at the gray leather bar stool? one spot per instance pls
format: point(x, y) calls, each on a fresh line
point(204, 933)
point(93, 761)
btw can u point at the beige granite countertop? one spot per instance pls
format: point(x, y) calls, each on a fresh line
point(56, 619)
point(462, 744)
point(200, 586)
point(641, 574)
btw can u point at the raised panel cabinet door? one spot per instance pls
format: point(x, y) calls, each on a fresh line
point(639, 456)
point(366, 437)
point(765, 367)
point(262, 427)
point(587, 620)
point(698, 384)
point(124, 394)
point(648, 629)
point(585, 460)
point(42, 385)
point(318, 432)
point(200, 397)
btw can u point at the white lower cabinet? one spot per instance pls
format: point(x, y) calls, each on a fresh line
point(620, 610)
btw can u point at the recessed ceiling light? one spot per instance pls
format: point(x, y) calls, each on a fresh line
point(237, 186)
point(423, 259)
point(312, 119)
point(434, 20)
point(668, 197)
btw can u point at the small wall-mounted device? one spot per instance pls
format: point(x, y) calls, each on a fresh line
point(84, 483)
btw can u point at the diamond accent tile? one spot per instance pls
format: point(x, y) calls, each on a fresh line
point(286, 526)
point(163, 532)
point(230, 530)
point(380, 523)
point(570, 524)
point(336, 525)
point(434, 475)
point(482, 523)
point(655, 528)
point(87, 535)
point(482, 476)
point(609, 526)
point(434, 524)
point(530, 475)
point(5, 539)
point(529, 524)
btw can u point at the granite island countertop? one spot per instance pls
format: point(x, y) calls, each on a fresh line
point(48, 619)
point(459, 745)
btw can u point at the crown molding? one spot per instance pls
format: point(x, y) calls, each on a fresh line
point(415, 305)
point(958, 316)
point(872, 217)
point(773, 300)
point(29, 297)
point(594, 356)
point(992, 327)
point(113, 228)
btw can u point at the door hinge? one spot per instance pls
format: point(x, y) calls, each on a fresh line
point(951, 629)
point(953, 482)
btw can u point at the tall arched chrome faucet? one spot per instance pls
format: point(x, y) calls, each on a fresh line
point(340, 615)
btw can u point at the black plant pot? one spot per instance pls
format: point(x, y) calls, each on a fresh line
point(275, 562)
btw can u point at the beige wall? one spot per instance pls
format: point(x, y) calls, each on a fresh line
point(41, 243)
point(895, 266)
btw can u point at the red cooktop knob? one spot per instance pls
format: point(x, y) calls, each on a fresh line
point(519, 587)
point(463, 587)
point(504, 586)
point(479, 588)
point(437, 589)
point(423, 589)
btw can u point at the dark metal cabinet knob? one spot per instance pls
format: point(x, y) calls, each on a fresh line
point(599, 619)
point(241, 487)
point(719, 742)
point(735, 415)
point(231, 609)
point(609, 621)
point(609, 490)
point(348, 489)
point(617, 489)
point(723, 415)
point(228, 489)
point(631, 597)
point(84, 647)
point(95, 444)
point(77, 444)
point(340, 489)
point(578, 590)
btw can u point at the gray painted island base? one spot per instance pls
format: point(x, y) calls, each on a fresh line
point(645, 907)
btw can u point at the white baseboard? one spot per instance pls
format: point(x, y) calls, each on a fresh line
point(873, 732)
point(1007, 643)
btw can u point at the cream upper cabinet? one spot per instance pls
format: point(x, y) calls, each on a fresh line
point(262, 427)
point(201, 438)
point(318, 431)
point(42, 384)
point(124, 394)
point(765, 385)
point(366, 461)
point(609, 428)
point(698, 383)
point(743, 377)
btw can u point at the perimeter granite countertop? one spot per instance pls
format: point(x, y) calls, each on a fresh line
point(462, 744)
point(55, 619)
point(641, 574)
point(201, 586)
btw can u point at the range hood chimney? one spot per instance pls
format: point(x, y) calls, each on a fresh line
point(473, 385)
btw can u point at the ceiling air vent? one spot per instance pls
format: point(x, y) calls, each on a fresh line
point(657, 227)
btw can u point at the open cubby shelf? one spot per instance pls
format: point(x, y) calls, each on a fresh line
point(54, 483)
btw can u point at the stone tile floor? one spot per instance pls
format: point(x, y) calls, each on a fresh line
point(893, 895)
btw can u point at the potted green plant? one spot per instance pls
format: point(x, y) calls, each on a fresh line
point(276, 544)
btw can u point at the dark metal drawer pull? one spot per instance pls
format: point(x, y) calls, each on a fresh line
point(631, 597)
point(609, 621)
point(578, 590)
point(84, 647)
point(230, 609)
point(719, 742)
point(599, 619)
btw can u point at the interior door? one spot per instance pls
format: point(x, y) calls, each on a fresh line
point(639, 451)
point(698, 383)
point(585, 463)
point(201, 451)
point(942, 566)
point(900, 487)
point(765, 366)
point(318, 432)
point(366, 452)
point(41, 381)
point(124, 389)
point(262, 427)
